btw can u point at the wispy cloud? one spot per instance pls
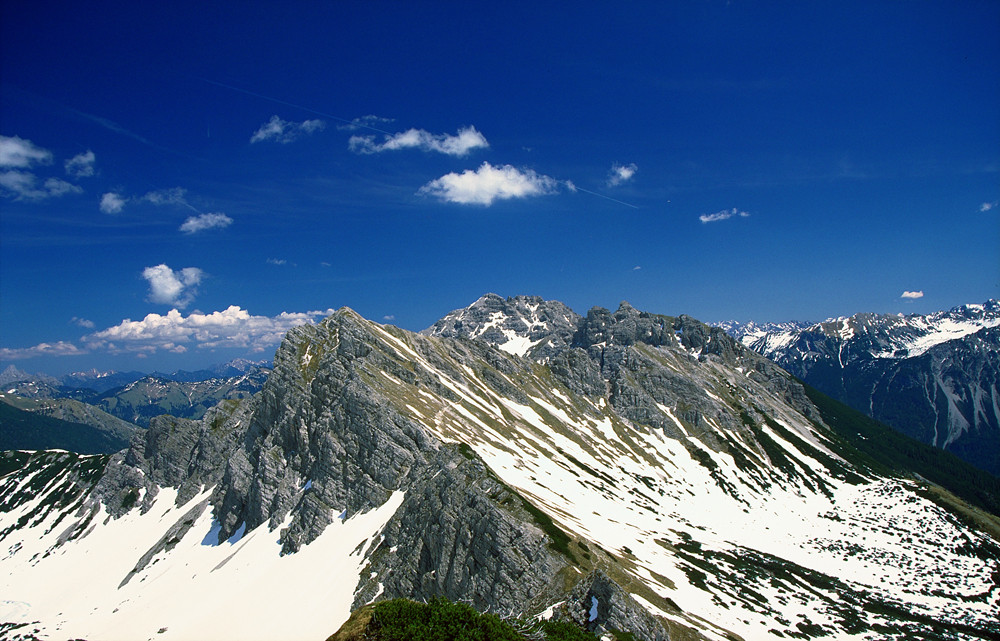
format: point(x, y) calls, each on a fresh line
point(169, 287)
point(725, 214)
point(621, 174)
point(232, 327)
point(195, 224)
point(22, 185)
point(112, 203)
point(276, 261)
point(81, 165)
point(467, 139)
point(284, 132)
point(18, 152)
point(988, 206)
point(82, 322)
point(489, 183)
point(16, 156)
point(908, 294)
point(171, 196)
point(366, 122)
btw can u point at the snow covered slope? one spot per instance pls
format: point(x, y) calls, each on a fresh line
point(692, 472)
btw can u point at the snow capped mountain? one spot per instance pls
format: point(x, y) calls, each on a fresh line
point(518, 325)
point(645, 456)
point(934, 377)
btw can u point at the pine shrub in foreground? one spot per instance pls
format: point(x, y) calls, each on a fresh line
point(442, 620)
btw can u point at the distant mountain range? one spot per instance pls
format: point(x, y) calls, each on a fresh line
point(934, 377)
point(642, 476)
point(112, 414)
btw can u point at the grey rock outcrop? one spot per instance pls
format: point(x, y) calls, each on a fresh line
point(599, 605)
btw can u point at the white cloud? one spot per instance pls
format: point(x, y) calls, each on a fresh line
point(21, 184)
point(365, 122)
point(919, 294)
point(988, 206)
point(112, 203)
point(460, 144)
point(21, 153)
point(489, 183)
point(81, 165)
point(284, 132)
point(196, 224)
point(723, 215)
point(276, 261)
point(82, 322)
point(637, 268)
point(621, 174)
point(61, 348)
point(168, 287)
point(389, 317)
point(230, 328)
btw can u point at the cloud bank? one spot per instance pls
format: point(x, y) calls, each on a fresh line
point(620, 174)
point(489, 183)
point(231, 328)
point(284, 132)
point(725, 214)
point(169, 287)
point(195, 224)
point(460, 144)
point(174, 332)
point(61, 348)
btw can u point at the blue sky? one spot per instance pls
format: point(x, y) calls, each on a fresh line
point(181, 182)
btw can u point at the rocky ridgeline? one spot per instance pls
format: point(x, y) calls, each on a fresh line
point(320, 440)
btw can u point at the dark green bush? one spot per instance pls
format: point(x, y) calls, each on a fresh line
point(442, 620)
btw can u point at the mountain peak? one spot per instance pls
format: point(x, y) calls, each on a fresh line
point(520, 325)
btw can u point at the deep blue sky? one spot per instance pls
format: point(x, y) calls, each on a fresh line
point(774, 161)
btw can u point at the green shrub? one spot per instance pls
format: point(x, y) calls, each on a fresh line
point(442, 620)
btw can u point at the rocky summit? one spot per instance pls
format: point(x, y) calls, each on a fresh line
point(644, 476)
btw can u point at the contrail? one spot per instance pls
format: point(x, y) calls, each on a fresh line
point(594, 193)
point(353, 123)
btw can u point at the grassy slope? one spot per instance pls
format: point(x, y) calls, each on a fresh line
point(21, 430)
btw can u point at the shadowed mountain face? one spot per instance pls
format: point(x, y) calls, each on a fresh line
point(935, 378)
point(649, 464)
